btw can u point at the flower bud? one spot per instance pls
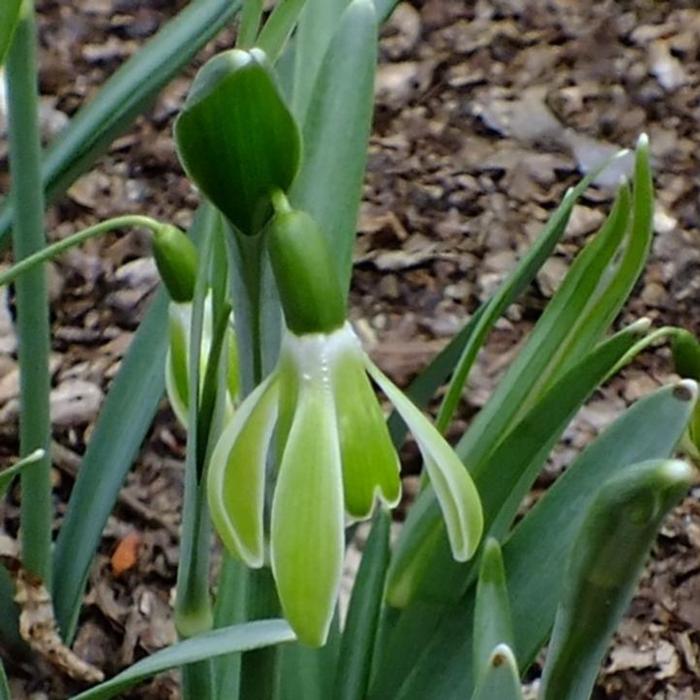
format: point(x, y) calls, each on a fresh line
point(305, 274)
point(176, 259)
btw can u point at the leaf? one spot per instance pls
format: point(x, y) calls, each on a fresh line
point(358, 640)
point(4, 687)
point(279, 26)
point(605, 563)
point(500, 681)
point(537, 363)
point(458, 498)
point(317, 24)
point(120, 429)
point(650, 429)
point(336, 133)
point(249, 24)
point(513, 286)
point(9, 16)
point(126, 94)
point(252, 635)
point(492, 623)
point(502, 481)
point(307, 534)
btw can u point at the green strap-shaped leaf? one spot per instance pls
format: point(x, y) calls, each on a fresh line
point(9, 15)
point(648, 430)
point(523, 274)
point(605, 563)
point(539, 358)
point(336, 133)
point(274, 35)
point(358, 640)
point(500, 680)
point(249, 24)
point(130, 405)
point(126, 94)
point(492, 623)
point(252, 635)
point(317, 24)
point(427, 569)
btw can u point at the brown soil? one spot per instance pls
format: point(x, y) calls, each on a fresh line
point(486, 113)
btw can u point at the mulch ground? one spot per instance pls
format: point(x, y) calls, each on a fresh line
point(486, 113)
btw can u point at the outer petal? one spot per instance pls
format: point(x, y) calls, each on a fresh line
point(453, 485)
point(236, 478)
point(370, 463)
point(307, 514)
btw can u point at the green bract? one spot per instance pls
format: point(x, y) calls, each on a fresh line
point(236, 138)
point(335, 459)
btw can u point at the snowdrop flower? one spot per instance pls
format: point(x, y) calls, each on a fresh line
point(317, 420)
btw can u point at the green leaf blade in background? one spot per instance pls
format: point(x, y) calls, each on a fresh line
point(121, 427)
point(238, 638)
point(130, 405)
point(500, 680)
point(607, 558)
point(336, 133)
point(358, 639)
point(9, 16)
point(650, 429)
point(126, 95)
point(492, 622)
point(502, 481)
point(273, 36)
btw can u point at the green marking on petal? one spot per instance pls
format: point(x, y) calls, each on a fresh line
point(307, 532)
point(370, 463)
point(454, 488)
point(236, 478)
point(176, 363)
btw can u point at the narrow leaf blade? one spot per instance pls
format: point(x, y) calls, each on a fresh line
point(606, 561)
point(238, 638)
point(336, 131)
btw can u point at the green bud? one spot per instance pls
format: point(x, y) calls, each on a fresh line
point(305, 274)
point(176, 259)
point(686, 355)
point(237, 139)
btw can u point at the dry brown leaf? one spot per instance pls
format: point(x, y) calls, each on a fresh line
point(126, 554)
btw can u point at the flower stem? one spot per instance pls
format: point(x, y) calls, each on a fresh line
point(32, 299)
point(55, 249)
point(193, 612)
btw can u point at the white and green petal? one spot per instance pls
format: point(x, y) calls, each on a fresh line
point(307, 522)
point(370, 463)
point(454, 488)
point(177, 359)
point(236, 476)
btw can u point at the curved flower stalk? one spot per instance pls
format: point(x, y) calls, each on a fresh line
point(333, 458)
point(177, 259)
